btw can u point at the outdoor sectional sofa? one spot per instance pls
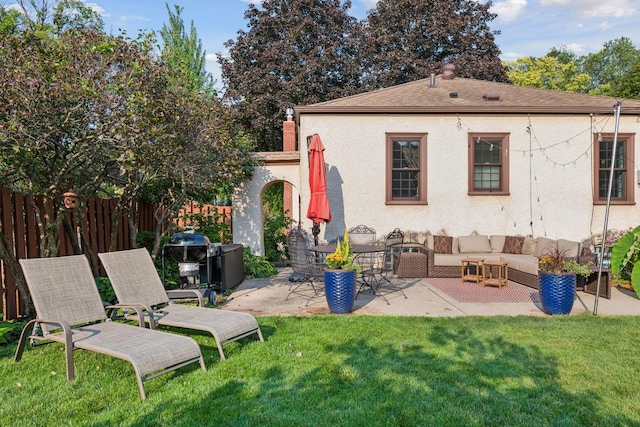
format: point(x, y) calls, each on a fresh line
point(445, 253)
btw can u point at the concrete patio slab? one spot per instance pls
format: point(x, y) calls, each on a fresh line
point(268, 297)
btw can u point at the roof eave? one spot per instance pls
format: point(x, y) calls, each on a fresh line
point(484, 109)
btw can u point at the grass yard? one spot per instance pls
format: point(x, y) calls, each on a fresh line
point(354, 371)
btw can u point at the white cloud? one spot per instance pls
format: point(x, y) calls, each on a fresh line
point(511, 56)
point(604, 25)
point(575, 47)
point(596, 8)
point(125, 18)
point(509, 10)
point(256, 2)
point(14, 6)
point(96, 8)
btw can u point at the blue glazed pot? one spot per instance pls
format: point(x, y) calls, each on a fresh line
point(340, 290)
point(557, 292)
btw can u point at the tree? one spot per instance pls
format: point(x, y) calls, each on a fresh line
point(610, 64)
point(52, 94)
point(10, 21)
point(91, 112)
point(629, 85)
point(57, 16)
point(295, 52)
point(548, 72)
point(182, 51)
point(408, 40)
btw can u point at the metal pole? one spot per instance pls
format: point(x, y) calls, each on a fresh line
point(606, 214)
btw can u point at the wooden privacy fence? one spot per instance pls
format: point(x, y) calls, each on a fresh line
point(18, 219)
point(206, 210)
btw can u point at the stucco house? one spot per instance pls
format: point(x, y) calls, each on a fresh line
point(454, 156)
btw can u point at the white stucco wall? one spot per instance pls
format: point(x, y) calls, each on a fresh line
point(248, 227)
point(551, 175)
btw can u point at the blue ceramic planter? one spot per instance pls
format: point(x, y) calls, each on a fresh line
point(340, 290)
point(557, 292)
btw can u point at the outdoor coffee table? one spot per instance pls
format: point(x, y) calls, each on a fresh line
point(501, 276)
point(471, 269)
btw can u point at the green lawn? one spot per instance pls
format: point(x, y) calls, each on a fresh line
point(355, 371)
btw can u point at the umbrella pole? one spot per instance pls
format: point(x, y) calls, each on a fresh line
point(315, 230)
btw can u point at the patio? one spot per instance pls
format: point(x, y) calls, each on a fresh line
point(425, 297)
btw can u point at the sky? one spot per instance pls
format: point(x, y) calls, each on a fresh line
point(528, 27)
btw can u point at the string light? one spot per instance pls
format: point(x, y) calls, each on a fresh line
point(544, 150)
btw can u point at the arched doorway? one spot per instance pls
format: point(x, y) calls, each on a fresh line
point(248, 218)
point(280, 211)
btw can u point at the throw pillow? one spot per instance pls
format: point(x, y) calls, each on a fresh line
point(513, 244)
point(442, 244)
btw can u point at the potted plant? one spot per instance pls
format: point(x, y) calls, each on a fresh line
point(340, 278)
point(557, 280)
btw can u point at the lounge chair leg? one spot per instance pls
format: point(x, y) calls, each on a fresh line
point(23, 339)
point(220, 350)
point(260, 335)
point(68, 348)
point(143, 395)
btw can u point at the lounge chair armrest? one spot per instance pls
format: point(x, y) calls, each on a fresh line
point(68, 342)
point(194, 291)
point(138, 308)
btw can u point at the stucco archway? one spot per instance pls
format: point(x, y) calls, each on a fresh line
point(248, 226)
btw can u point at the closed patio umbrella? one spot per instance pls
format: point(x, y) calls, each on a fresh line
point(318, 210)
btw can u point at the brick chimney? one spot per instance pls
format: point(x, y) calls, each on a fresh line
point(289, 135)
point(288, 144)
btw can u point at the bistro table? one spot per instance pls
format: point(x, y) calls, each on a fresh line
point(356, 249)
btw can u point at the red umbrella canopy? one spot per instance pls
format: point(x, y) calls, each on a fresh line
point(319, 204)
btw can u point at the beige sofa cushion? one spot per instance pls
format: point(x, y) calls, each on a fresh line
point(543, 246)
point(569, 248)
point(474, 244)
point(497, 242)
point(455, 260)
point(524, 263)
point(528, 246)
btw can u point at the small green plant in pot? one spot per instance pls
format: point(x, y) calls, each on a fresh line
point(625, 258)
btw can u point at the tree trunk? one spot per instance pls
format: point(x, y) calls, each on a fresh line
point(133, 221)
point(11, 262)
point(71, 231)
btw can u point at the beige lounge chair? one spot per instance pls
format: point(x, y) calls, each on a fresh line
point(136, 283)
point(70, 311)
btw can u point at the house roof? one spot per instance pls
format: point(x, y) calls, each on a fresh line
point(462, 95)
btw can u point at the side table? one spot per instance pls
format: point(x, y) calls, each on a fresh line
point(500, 278)
point(470, 270)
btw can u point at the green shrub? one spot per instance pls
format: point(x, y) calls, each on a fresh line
point(625, 258)
point(106, 291)
point(276, 222)
point(213, 226)
point(257, 266)
point(146, 239)
point(10, 331)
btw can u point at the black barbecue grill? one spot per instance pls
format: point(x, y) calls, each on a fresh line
point(204, 265)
